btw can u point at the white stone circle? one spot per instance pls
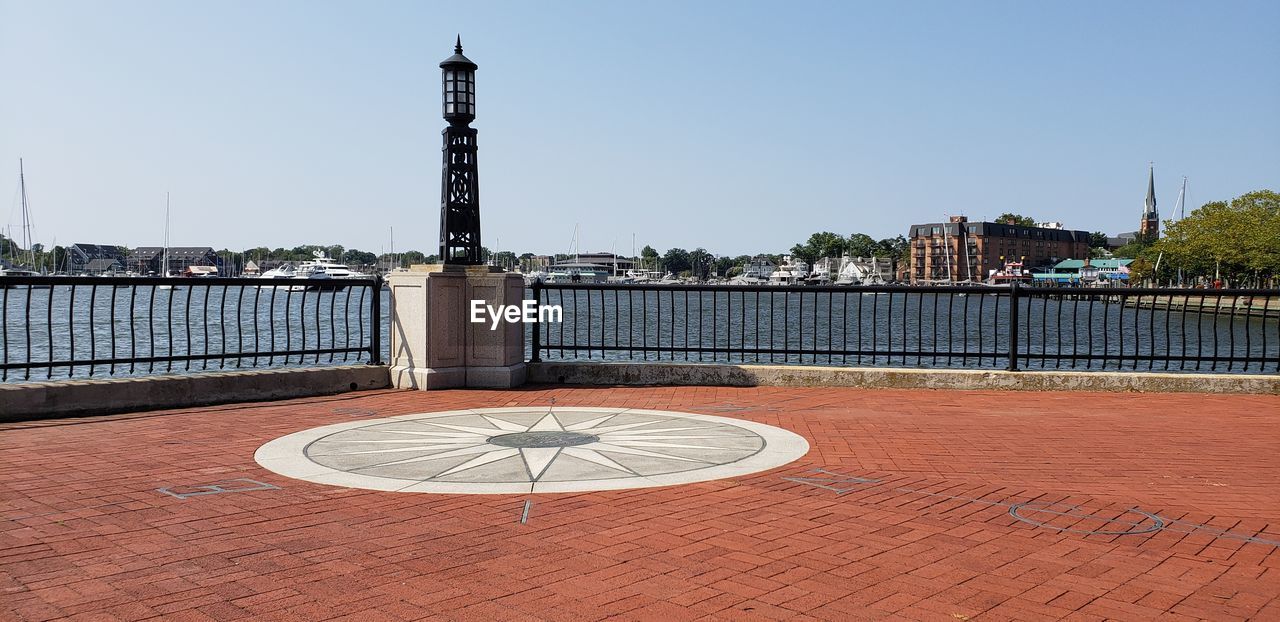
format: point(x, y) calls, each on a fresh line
point(541, 450)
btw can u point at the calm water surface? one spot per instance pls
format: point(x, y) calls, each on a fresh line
point(238, 327)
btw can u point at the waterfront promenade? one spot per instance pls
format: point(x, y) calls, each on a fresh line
point(926, 505)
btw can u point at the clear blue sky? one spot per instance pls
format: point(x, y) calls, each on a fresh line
point(735, 126)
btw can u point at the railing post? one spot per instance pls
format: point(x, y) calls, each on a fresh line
point(534, 357)
point(375, 334)
point(1013, 326)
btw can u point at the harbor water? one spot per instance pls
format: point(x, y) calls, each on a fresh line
point(245, 327)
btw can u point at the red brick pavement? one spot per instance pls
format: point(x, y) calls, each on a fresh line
point(86, 535)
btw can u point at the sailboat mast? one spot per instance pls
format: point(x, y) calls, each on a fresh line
point(947, 245)
point(1182, 213)
point(26, 218)
point(164, 255)
point(1182, 199)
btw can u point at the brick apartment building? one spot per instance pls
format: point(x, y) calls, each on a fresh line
point(960, 250)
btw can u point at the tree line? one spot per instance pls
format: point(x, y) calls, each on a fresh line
point(1234, 242)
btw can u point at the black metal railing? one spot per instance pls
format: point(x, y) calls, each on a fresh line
point(81, 327)
point(978, 327)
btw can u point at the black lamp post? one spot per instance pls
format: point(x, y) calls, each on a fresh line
point(459, 186)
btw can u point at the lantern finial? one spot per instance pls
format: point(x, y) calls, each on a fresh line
point(457, 49)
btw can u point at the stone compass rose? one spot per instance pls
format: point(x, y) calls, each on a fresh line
point(523, 450)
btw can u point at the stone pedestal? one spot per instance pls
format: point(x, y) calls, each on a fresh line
point(434, 343)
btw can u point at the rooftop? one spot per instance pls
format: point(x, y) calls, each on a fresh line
point(1101, 264)
point(917, 504)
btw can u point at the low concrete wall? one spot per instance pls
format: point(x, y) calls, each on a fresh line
point(804, 376)
point(73, 398)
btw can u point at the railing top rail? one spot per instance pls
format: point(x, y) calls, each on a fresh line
point(1146, 291)
point(770, 288)
point(180, 280)
point(993, 289)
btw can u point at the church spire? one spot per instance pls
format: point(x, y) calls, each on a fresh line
point(1150, 211)
point(1149, 228)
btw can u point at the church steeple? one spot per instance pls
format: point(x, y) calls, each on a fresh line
point(1150, 226)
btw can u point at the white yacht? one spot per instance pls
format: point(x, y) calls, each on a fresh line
point(283, 272)
point(821, 274)
point(641, 276)
point(576, 273)
point(791, 271)
point(323, 267)
point(536, 276)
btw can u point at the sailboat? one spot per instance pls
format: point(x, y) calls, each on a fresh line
point(164, 254)
point(30, 269)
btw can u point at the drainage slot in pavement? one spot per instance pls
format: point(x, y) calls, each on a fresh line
point(217, 488)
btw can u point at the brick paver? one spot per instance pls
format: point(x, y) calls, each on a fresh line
point(906, 507)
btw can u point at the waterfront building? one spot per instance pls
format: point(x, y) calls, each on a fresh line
point(1121, 239)
point(147, 259)
point(959, 250)
point(95, 259)
point(615, 264)
point(1089, 270)
point(864, 271)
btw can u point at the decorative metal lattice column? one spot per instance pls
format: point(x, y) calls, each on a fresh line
point(459, 184)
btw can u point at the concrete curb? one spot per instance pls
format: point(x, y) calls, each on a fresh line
point(74, 398)
point(651, 373)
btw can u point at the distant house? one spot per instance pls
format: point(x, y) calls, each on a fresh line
point(200, 271)
point(94, 259)
point(1088, 270)
point(102, 266)
point(960, 250)
point(1121, 239)
point(146, 259)
point(251, 268)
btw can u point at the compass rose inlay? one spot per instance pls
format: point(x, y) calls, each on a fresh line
point(530, 449)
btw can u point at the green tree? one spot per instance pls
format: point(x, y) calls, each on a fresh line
point(354, 257)
point(676, 260)
point(1238, 240)
point(700, 262)
point(649, 258)
point(822, 244)
point(505, 259)
point(724, 265)
point(894, 248)
point(1018, 219)
point(1097, 239)
point(861, 245)
point(1132, 250)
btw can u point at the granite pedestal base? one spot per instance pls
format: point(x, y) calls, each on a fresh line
point(434, 343)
